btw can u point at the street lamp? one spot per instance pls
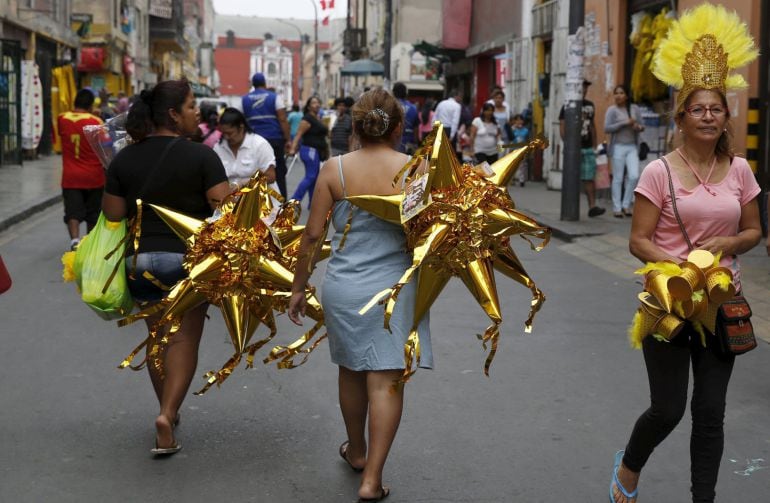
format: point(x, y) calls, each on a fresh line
point(301, 61)
point(315, 55)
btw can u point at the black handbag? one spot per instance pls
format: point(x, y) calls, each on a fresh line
point(644, 149)
point(734, 332)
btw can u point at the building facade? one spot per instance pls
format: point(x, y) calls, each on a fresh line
point(35, 40)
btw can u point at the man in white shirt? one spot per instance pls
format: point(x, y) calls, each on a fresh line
point(448, 113)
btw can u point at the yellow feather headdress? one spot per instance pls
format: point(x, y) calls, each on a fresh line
point(702, 49)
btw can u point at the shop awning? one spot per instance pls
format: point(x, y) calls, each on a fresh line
point(424, 85)
point(363, 67)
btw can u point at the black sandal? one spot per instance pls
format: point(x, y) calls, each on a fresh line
point(344, 455)
point(384, 493)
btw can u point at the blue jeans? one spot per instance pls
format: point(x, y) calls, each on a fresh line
point(624, 157)
point(311, 160)
point(166, 267)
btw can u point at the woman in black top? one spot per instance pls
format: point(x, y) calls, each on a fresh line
point(312, 133)
point(164, 168)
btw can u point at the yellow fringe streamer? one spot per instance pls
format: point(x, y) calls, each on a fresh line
point(636, 331)
point(666, 267)
point(68, 261)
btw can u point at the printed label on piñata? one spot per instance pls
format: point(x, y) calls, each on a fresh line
point(415, 199)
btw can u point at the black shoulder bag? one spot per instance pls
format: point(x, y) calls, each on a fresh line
point(734, 332)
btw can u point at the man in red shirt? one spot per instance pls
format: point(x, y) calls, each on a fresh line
point(83, 175)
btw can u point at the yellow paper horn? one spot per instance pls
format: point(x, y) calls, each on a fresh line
point(704, 259)
point(719, 284)
point(657, 285)
point(669, 326)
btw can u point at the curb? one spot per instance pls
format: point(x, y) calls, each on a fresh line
point(28, 212)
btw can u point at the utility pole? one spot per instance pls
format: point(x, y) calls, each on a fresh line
point(301, 59)
point(570, 180)
point(387, 42)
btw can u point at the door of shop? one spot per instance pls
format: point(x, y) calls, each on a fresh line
point(10, 102)
point(45, 57)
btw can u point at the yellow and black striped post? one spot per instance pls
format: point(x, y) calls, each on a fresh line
point(752, 134)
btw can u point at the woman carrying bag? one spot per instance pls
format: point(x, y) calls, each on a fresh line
point(624, 121)
point(164, 168)
point(715, 198)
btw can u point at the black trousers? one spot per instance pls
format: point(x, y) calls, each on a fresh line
point(668, 371)
point(280, 163)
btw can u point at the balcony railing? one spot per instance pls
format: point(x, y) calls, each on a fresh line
point(169, 32)
point(544, 18)
point(354, 41)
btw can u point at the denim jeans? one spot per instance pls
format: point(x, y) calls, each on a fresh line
point(625, 157)
point(165, 267)
point(668, 371)
point(312, 162)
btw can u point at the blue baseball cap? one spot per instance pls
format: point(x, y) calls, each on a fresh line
point(258, 79)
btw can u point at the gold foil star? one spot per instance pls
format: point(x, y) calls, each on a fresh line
point(240, 264)
point(463, 230)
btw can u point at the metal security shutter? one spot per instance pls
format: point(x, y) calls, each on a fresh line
point(10, 102)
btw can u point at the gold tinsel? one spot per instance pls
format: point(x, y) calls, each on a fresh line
point(238, 263)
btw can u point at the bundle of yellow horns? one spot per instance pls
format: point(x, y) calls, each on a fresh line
point(692, 290)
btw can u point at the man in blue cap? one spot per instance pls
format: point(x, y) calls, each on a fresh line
point(265, 112)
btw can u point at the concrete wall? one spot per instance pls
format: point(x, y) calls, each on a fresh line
point(493, 19)
point(415, 20)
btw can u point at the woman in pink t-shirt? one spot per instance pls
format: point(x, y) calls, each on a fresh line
point(716, 197)
point(425, 118)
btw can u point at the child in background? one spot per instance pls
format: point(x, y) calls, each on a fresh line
point(520, 135)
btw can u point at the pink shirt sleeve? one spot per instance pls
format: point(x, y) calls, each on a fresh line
point(653, 183)
point(748, 182)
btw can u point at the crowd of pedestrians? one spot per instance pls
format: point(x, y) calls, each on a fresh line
point(357, 151)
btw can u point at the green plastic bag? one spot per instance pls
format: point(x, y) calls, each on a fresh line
point(100, 269)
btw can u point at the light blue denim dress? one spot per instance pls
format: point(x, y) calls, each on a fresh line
point(373, 259)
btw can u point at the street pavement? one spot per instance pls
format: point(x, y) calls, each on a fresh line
point(543, 427)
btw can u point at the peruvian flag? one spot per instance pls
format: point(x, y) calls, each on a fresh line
point(327, 4)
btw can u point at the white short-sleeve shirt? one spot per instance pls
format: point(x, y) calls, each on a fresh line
point(254, 154)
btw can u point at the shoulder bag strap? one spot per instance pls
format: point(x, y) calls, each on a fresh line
point(673, 204)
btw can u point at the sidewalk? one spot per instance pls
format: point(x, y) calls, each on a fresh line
point(29, 188)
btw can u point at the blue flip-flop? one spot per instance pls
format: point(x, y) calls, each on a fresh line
point(615, 482)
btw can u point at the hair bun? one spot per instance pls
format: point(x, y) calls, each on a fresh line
point(146, 96)
point(376, 122)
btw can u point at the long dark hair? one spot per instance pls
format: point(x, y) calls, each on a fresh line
point(628, 96)
point(150, 111)
point(306, 108)
point(209, 115)
point(234, 118)
point(427, 108)
point(487, 106)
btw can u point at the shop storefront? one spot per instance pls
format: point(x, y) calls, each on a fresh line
point(10, 102)
point(649, 21)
